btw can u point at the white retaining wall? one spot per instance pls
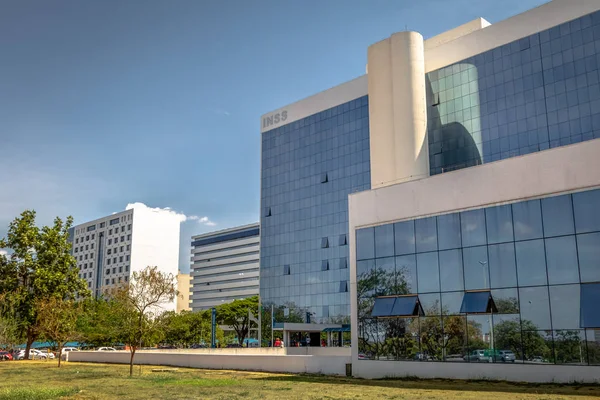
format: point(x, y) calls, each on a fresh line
point(328, 365)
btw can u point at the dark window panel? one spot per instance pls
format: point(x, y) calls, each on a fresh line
point(325, 265)
point(478, 303)
point(383, 306)
point(561, 259)
point(557, 215)
point(586, 206)
point(384, 241)
point(588, 248)
point(449, 231)
point(365, 244)
point(503, 271)
point(473, 230)
point(531, 263)
point(324, 243)
point(426, 234)
point(343, 263)
point(343, 286)
point(428, 272)
point(499, 224)
point(343, 240)
point(589, 300)
point(404, 237)
point(407, 306)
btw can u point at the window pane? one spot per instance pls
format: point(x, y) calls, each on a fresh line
point(383, 307)
point(451, 302)
point(366, 278)
point(507, 337)
point(587, 211)
point(476, 268)
point(428, 272)
point(426, 234)
point(472, 228)
point(451, 270)
point(590, 312)
point(506, 300)
point(588, 248)
point(593, 345)
point(455, 333)
point(449, 231)
point(384, 241)
point(535, 310)
point(564, 306)
point(499, 224)
point(386, 276)
point(558, 216)
point(431, 303)
point(404, 237)
point(537, 346)
point(503, 272)
point(527, 217)
point(432, 340)
point(531, 263)
point(569, 347)
point(406, 272)
point(365, 244)
point(405, 306)
point(561, 258)
point(476, 303)
point(479, 328)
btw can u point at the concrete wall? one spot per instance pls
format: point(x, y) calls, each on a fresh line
point(329, 365)
point(512, 372)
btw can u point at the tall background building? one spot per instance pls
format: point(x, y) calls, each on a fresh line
point(314, 153)
point(183, 287)
point(224, 266)
point(109, 249)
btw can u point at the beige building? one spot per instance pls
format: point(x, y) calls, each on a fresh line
point(183, 286)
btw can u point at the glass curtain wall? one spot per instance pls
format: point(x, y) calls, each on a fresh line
point(516, 283)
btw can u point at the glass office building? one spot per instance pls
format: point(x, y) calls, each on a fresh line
point(514, 283)
point(309, 167)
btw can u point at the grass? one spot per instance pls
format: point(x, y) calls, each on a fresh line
point(39, 380)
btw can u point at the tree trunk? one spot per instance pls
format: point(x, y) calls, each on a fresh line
point(132, 349)
point(30, 339)
point(59, 353)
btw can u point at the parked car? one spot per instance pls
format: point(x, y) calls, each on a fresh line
point(233, 346)
point(66, 350)
point(106, 349)
point(537, 359)
point(34, 355)
point(48, 353)
point(422, 357)
point(506, 356)
point(198, 346)
point(477, 356)
point(5, 356)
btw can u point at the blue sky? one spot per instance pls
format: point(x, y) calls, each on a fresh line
point(105, 103)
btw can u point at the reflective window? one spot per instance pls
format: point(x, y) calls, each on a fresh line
point(531, 263)
point(478, 303)
point(570, 347)
point(428, 272)
point(564, 303)
point(535, 308)
point(365, 243)
point(404, 237)
point(406, 272)
point(561, 259)
point(527, 220)
point(406, 306)
point(590, 312)
point(472, 228)
point(506, 300)
point(557, 215)
point(451, 302)
point(451, 270)
point(383, 307)
point(476, 268)
point(503, 272)
point(431, 303)
point(587, 212)
point(448, 231)
point(426, 234)
point(588, 249)
point(386, 276)
point(499, 224)
point(384, 241)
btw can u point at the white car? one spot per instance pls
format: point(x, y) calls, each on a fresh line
point(35, 355)
point(106, 349)
point(68, 349)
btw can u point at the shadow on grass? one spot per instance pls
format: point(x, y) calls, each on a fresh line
point(575, 389)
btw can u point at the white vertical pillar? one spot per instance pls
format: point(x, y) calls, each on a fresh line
point(397, 110)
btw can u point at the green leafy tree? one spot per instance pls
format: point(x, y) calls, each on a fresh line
point(235, 315)
point(9, 329)
point(58, 321)
point(186, 328)
point(136, 307)
point(40, 266)
point(522, 338)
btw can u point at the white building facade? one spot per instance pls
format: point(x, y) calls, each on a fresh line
point(473, 243)
point(224, 266)
point(108, 250)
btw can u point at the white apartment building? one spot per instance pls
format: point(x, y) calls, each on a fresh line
point(109, 249)
point(224, 266)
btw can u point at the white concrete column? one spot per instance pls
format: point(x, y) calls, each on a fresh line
point(397, 110)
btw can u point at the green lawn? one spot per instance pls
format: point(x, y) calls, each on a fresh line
point(37, 380)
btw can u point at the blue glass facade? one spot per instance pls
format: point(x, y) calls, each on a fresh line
point(308, 169)
point(536, 93)
point(516, 283)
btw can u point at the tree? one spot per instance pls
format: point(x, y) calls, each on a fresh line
point(235, 314)
point(9, 332)
point(58, 320)
point(40, 266)
point(186, 328)
point(135, 308)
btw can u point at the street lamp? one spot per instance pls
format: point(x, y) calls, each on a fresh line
point(483, 265)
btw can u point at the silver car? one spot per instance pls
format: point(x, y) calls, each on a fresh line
point(507, 356)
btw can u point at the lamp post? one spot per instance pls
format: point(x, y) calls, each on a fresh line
point(483, 265)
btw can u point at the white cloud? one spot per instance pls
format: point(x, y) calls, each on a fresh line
point(206, 221)
point(3, 253)
point(182, 217)
point(220, 111)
